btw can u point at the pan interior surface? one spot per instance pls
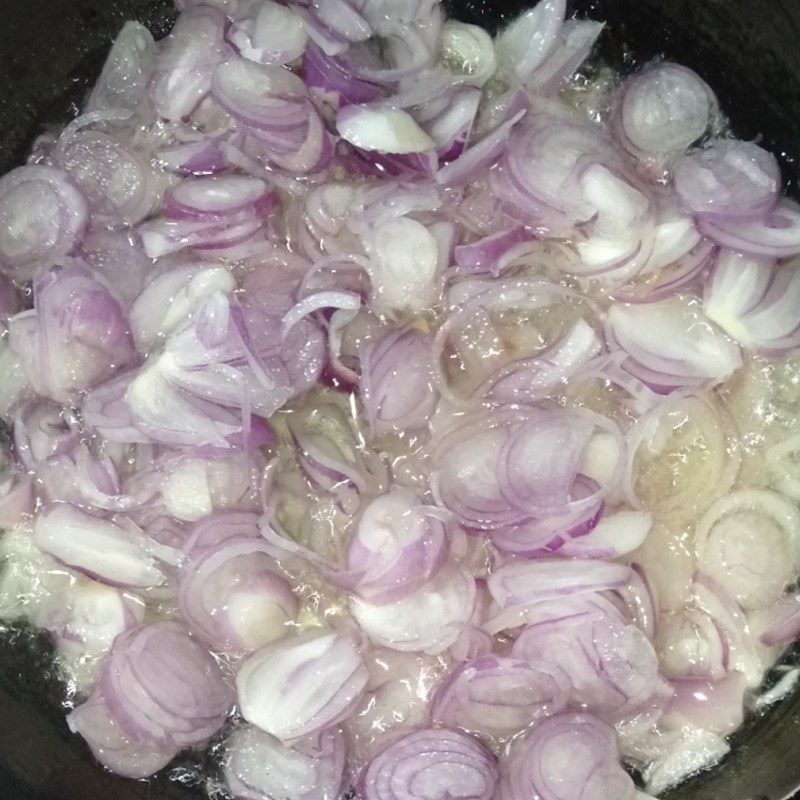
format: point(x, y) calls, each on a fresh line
point(746, 51)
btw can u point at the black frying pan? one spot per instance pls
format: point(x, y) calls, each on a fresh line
point(52, 50)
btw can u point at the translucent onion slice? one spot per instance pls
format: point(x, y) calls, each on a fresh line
point(201, 157)
point(736, 286)
point(43, 216)
point(271, 34)
point(111, 746)
point(84, 630)
point(218, 197)
point(741, 654)
point(521, 583)
point(163, 688)
point(494, 324)
point(748, 543)
point(75, 337)
point(263, 97)
point(541, 177)
point(663, 110)
point(234, 598)
point(338, 21)
point(17, 496)
point(398, 545)
point(681, 457)
point(468, 51)
point(117, 180)
point(730, 179)
point(573, 47)
point(331, 77)
point(527, 465)
point(186, 62)
point(671, 345)
point(525, 43)
point(533, 378)
point(172, 297)
point(566, 756)
point(500, 695)
point(775, 236)
point(396, 381)
point(690, 644)
point(694, 749)
point(614, 535)
point(123, 80)
point(404, 261)
point(779, 624)
point(754, 301)
point(384, 130)
point(42, 431)
point(429, 620)
point(301, 685)
point(448, 763)
point(641, 600)
point(260, 767)
point(480, 154)
point(713, 706)
point(99, 547)
point(162, 236)
point(611, 665)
